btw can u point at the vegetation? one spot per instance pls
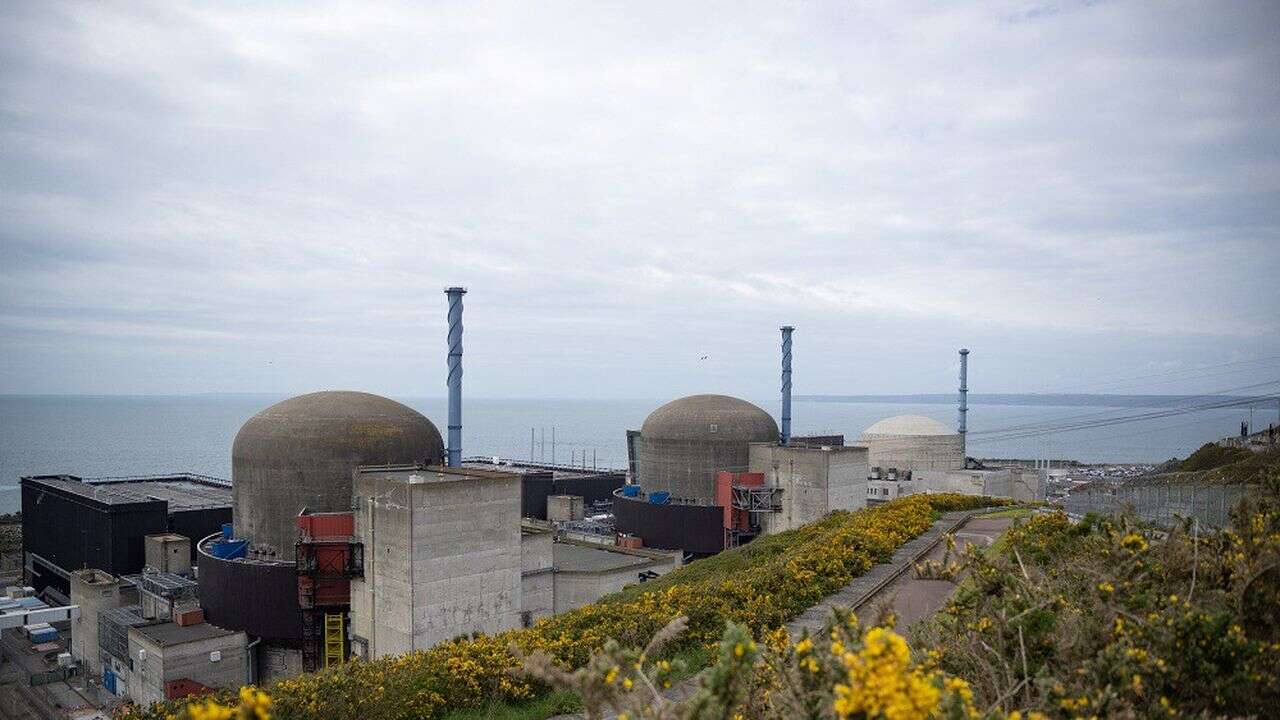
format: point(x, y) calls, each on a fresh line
point(1213, 455)
point(761, 586)
point(1102, 618)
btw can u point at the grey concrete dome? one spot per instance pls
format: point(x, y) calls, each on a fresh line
point(300, 452)
point(913, 442)
point(685, 442)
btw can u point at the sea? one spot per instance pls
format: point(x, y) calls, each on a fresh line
point(111, 436)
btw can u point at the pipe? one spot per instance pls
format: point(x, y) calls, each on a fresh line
point(455, 374)
point(964, 390)
point(786, 384)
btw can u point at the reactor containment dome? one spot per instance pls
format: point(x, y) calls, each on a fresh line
point(685, 442)
point(300, 453)
point(913, 442)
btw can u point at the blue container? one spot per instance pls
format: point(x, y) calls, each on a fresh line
point(227, 531)
point(659, 497)
point(109, 680)
point(631, 491)
point(44, 636)
point(229, 549)
point(31, 603)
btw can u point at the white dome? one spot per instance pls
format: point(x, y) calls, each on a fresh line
point(907, 425)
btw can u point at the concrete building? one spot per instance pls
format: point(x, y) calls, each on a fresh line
point(814, 480)
point(913, 442)
point(537, 571)
point(168, 553)
point(94, 591)
point(563, 508)
point(442, 556)
point(586, 572)
point(171, 660)
point(1016, 483)
point(683, 444)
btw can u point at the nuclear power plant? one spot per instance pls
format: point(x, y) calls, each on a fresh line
point(352, 529)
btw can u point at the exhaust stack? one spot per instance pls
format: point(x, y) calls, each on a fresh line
point(964, 389)
point(455, 374)
point(786, 384)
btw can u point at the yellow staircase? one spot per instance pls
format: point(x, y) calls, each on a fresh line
point(334, 639)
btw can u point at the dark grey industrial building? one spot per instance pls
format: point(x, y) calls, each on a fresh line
point(70, 523)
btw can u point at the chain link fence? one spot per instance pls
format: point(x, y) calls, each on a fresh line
point(1161, 503)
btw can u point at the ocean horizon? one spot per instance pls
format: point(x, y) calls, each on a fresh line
point(122, 435)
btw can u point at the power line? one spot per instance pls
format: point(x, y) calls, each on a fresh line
point(1111, 412)
point(1036, 431)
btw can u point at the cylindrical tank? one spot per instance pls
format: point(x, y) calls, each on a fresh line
point(299, 453)
point(913, 442)
point(685, 442)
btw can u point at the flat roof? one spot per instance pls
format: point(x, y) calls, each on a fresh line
point(573, 557)
point(522, 467)
point(432, 474)
point(168, 634)
point(182, 491)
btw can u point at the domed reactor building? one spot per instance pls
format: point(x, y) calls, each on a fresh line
point(913, 442)
point(683, 444)
point(282, 569)
point(685, 458)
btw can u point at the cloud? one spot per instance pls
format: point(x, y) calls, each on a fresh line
point(202, 186)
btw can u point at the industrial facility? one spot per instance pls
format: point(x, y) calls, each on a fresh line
point(351, 529)
point(69, 523)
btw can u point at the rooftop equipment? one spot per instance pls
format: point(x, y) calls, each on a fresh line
point(964, 389)
point(455, 375)
point(785, 435)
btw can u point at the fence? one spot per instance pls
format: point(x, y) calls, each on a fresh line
point(1162, 503)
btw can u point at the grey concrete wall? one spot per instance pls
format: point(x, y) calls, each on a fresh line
point(687, 468)
point(847, 472)
point(575, 589)
point(442, 559)
point(561, 508)
point(382, 523)
point(964, 482)
point(168, 553)
point(186, 660)
point(537, 584)
point(1027, 485)
point(277, 662)
point(94, 591)
point(814, 481)
point(915, 452)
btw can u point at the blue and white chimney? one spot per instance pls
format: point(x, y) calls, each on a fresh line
point(455, 374)
point(786, 384)
point(964, 390)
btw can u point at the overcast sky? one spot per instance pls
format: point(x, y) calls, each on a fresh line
point(241, 197)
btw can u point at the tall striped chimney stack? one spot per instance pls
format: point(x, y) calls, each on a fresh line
point(455, 374)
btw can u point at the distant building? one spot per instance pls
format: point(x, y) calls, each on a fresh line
point(913, 442)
